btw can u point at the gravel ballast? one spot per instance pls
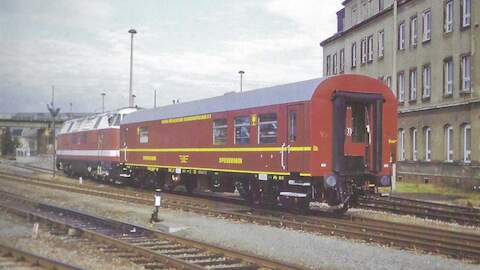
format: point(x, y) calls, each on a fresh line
point(315, 251)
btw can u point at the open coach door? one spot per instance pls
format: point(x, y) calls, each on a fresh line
point(357, 139)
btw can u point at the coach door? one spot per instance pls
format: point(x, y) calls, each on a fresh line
point(295, 137)
point(357, 132)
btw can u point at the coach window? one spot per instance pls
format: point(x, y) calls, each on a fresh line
point(143, 135)
point(242, 130)
point(292, 126)
point(220, 131)
point(267, 128)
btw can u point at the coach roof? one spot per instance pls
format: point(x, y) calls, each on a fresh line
point(281, 94)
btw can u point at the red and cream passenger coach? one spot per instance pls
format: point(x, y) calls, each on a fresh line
point(321, 140)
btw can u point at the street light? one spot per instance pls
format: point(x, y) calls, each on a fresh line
point(241, 72)
point(103, 102)
point(130, 95)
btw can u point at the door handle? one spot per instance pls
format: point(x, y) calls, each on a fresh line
point(282, 156)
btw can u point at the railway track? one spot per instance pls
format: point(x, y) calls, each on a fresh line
point(438, 211)
point(392, 204)
point(152, 249)
point(13, 258)
point(414, 237)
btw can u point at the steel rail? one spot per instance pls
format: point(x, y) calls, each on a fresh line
point(20, 256)
point(437, 211)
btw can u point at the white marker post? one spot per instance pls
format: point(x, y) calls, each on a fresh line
point(35, 230)
point(157, 204)
point(80, 180)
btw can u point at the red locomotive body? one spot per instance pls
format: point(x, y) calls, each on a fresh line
point(90, 146)
point(320, 140)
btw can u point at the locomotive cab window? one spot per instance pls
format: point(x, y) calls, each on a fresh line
point(242, 130)
point(143, 135)
point(359, 123)
point(267, 128)
point(220, 131)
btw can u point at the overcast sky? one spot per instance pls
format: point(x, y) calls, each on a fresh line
point(185, 49)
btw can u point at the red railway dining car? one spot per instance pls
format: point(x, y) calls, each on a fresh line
point(90, 146)
point(321, 140)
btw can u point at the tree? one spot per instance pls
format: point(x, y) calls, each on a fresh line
point(8, 144)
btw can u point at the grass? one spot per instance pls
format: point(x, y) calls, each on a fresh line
point(465, 197)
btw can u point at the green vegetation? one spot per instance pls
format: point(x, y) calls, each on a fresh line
point(8, 143)
point(462, 197)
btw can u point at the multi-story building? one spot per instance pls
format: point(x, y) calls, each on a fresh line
point(427, 52)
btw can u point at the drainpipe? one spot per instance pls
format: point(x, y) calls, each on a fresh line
point(394, 78)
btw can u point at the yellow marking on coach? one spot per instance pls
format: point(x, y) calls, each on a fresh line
point(226, 149)
point(230, 160)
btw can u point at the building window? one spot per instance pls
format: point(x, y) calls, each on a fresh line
point(427, 25)
point(401, 86)
point(363, 51)
point(292, 126)
point(354, 54)
point(413, 134)
point(448, 76)
point(401, 36)
point(466, 73)
point(329, 59)
point(381, 5)
point(467, 143)
point(242, 130)
point(389, 82)
point(448, 143)
point(220, 131)
point(466, 12)
point(428, 143)
point(267, 128)
point(427, 81)
point(413, 31)
point(381, 44)
point(335, 64)
point(401, 144)
point(448, 17)
point(413, 84)
point(370, 48)
point(143, 135)
point(342, 60)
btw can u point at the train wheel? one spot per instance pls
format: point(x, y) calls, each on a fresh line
point(295, 205)
point(190, 184)
point(255, 196)
point(341, 211)
point(242, 188)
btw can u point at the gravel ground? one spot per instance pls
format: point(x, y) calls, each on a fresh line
point(315, 251)
point(14, 231)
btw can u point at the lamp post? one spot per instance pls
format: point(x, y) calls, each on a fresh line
point(103, 102)
point(130, 95)
point(154, 98)
point(241, 72)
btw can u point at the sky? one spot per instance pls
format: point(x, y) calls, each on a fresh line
point(185, 50)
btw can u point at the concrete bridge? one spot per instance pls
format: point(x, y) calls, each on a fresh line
point(41, 123)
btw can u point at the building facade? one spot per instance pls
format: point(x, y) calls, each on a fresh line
point(426, 51)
